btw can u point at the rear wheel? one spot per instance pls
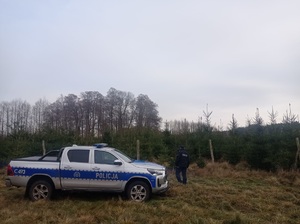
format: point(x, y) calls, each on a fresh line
point(138, 191)
point(40, 190)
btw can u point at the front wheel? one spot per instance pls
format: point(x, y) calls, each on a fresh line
point(39, 190)
point(138, 191)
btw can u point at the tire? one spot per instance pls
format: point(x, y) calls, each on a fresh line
point(138, 191)
point(40, 190)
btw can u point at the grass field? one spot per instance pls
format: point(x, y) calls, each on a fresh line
point(217, 193)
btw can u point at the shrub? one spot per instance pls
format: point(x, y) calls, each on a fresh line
point(201, 163)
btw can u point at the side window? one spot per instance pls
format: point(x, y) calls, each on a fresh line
point(79, 156)
point(104, 157)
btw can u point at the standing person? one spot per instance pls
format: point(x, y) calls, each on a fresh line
point(182, 162)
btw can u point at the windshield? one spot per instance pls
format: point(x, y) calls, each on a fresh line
point(123, 156)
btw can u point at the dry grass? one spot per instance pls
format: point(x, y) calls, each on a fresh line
point(219, 193)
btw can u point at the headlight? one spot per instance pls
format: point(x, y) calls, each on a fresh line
point(155, 172)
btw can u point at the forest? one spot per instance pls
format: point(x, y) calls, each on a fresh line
point(121, 119)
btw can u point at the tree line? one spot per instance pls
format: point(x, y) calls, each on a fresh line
point(120, 119)
point(88, 115)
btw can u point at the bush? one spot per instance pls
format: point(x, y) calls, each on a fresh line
point(201, 162)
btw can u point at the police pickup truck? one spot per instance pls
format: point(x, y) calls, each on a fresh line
point(91, 168)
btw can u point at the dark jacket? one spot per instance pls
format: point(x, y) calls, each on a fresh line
point(182, 158)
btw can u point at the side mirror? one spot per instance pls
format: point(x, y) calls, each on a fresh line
point(118, 162)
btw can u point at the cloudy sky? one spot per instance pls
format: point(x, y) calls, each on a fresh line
point(234, 56)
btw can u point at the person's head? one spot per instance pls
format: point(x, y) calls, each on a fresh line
point(181, 147)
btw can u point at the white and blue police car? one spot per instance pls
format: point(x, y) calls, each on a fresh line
point(88, 168)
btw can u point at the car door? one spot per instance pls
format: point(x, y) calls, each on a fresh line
point(75, 169)
point(105, 174)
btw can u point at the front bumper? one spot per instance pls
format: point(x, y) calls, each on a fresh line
point(163, 188)
point(162, 185)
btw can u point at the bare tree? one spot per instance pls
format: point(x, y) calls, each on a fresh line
point(184, 126)
point(193, 126)
point(110, 108)
point(100, 114)
point(200, 125)
point(71, 113)
point(38, 113)
point(54, 115)
point(4, 118)
point(92, 111)
point(124, 109)
point(89, 116)
point(19, 114)
point(146, 113)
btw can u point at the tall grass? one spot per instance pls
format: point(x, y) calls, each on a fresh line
point(218, 193)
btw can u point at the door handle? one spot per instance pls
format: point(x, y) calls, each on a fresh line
point(95, 168)
point(68, 167)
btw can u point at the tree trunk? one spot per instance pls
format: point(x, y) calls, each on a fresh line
point(44, 148)
point(297, 154)
point(137, 149)
point(211, 151)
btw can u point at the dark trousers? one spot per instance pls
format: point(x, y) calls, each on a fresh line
point(181, 172)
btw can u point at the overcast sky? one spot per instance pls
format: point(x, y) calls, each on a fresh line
point(234, 56)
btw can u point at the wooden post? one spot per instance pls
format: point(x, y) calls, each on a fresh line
point(44, 148)
point(137, 149)
point(211, 151)
point(297, 154)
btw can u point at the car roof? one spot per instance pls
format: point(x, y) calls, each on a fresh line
point(84, 147)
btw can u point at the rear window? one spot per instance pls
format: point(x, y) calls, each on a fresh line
point(79, 155)
point(51, 156)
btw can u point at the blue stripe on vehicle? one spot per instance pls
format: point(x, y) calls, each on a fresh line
point(25, 171)
point(83, 174)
